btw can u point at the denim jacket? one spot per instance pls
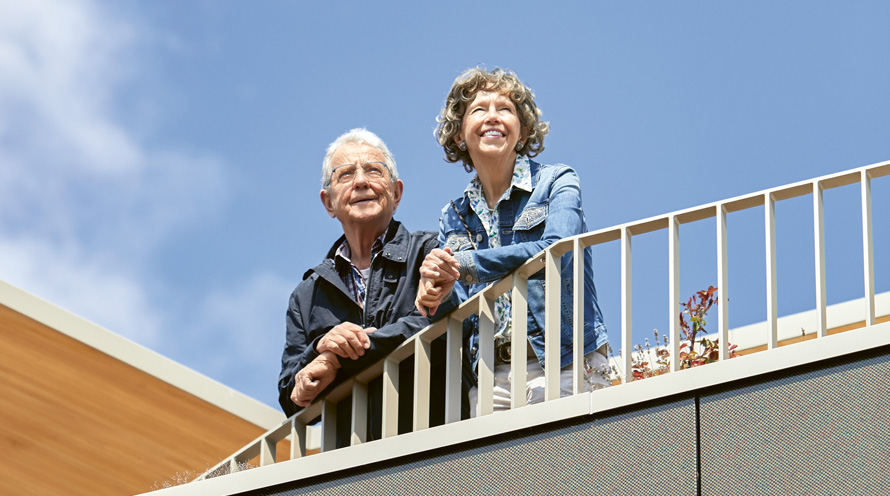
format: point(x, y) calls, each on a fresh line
point(529, 223)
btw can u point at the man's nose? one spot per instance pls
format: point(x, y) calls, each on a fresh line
point(360, 178)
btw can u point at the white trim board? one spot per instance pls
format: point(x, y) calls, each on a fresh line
point(140, 357)
point(789, 326)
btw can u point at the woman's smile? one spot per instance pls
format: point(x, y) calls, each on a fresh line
point(491, 128)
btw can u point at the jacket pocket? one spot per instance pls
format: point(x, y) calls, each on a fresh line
point(531, 217)
point(458, 242)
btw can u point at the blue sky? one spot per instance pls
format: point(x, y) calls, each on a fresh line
point(159, 161)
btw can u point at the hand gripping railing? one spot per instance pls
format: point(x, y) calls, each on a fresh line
point(482, 304)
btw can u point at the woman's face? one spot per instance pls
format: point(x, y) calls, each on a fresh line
point(490, 127)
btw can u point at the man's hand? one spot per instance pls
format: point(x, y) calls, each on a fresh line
point(438, 273)
point(314, 378)
point(346, 340)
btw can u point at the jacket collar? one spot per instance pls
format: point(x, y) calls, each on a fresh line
point(463, 203)
point(395, 248)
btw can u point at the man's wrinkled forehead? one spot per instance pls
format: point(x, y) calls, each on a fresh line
point(356, 153)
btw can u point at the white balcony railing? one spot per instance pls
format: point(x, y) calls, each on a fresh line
point(419, 346)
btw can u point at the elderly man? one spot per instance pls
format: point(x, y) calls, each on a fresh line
point(358, 304)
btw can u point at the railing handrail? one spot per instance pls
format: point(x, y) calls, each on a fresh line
point(480, 304)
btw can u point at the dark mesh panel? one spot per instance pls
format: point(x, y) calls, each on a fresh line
point(819, 433)
point(651, 451)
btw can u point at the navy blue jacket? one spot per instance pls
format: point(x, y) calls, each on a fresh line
point(322, 301)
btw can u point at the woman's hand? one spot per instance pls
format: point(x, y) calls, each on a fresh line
point(438, 273)
point(440, 266)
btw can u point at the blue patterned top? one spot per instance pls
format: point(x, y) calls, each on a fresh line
point(522, 179)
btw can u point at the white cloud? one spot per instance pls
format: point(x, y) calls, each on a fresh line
point(243, 323)
point(62, 274)
point(84, 201)
point(62, 62)
point(242, 313)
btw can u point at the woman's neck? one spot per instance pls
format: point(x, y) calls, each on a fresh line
point(495, 176)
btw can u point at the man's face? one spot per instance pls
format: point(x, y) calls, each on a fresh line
point(360, 199)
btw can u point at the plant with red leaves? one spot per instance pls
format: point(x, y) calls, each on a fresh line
point(643, 359)
point(693, 351)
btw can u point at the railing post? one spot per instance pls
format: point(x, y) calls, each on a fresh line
point(626, 305)
point(518, 346)
point(552, 326)
point(868, 249)
point(390, 426)
point(328, 425)
point(674, 290)
point(453, 369)
point(267, 452)
point(578, 317)
point(297, 439)
point(485, 398)
point(769, 204)
point(359, 413)
point(722, 284)
point(819, 245)
point(422, 349)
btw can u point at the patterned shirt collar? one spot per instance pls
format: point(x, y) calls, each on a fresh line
point(353, 278)
point(522, 179)
point(344, 252)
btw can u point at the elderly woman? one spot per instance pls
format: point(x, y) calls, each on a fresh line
point(512, 209)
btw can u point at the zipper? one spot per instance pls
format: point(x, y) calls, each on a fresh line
point(368, 288)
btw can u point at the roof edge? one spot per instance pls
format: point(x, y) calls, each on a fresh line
point(140, 357)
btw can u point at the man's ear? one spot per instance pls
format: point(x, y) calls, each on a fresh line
point(397, 189)
point(327, 202)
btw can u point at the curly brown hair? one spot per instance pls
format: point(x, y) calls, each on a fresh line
point(464, 90)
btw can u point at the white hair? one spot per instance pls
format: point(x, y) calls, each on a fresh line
point(359, 136)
